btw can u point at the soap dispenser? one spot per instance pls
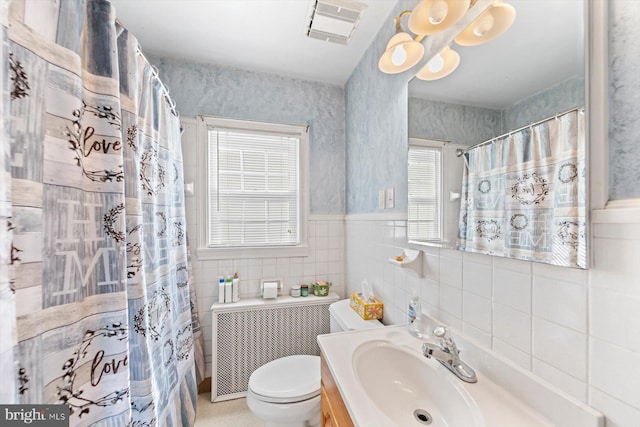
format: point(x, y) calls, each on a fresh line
point(414, 315)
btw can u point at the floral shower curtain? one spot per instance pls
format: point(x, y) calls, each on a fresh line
point(92, 208)
point(7, 299)
point(523, 195)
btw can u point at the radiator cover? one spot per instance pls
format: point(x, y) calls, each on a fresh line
point(248, 334)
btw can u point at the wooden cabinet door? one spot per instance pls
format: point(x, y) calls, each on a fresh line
point(325, 410)
point(334, 411)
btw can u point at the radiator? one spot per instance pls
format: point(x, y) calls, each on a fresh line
point(252, 332)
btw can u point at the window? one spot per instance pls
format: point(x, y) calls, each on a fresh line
point(255, 200)
point(425, 191)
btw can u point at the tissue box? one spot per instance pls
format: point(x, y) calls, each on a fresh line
point(366, 310)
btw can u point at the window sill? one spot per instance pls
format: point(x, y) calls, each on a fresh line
point(204, 254)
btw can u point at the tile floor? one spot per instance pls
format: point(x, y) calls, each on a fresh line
point(230, 413)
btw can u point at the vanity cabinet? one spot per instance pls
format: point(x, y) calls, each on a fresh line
point(332, 407)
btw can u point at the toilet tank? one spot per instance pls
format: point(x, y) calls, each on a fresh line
point(343, 318)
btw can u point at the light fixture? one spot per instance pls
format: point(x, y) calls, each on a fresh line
point(441, 65)
point(490, 24)
point(402, 53)
point(434, 16)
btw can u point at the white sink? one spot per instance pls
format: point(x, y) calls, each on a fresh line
point(411, 390)
point(384, 378)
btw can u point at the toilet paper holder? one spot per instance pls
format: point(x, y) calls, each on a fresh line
point(271, 288)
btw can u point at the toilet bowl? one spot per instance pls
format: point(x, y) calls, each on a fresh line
point(286, 392)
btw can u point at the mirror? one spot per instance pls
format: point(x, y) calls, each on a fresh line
point(533, 71)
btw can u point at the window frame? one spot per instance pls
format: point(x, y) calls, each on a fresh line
point(435, 144)
point(203, 251)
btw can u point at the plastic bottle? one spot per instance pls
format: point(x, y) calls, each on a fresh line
point(220, 290)
point(228, 289)
point(235, 284)
point(414, 315)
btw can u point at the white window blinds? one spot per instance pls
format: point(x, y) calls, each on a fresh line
point(254, 190)
point(425, 194)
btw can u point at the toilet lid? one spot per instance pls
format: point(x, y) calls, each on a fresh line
point(288, 379)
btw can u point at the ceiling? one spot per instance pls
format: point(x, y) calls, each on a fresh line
point(260, 35)
point(543, 48)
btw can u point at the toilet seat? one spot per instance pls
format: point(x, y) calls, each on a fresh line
point(287, 380)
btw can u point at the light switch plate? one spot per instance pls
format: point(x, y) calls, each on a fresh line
point(189, 188)
point(390, 199)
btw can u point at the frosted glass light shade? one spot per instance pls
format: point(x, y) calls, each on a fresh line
point(433, 16)
point(413, 49)
point(494, 21)
point(451, 61)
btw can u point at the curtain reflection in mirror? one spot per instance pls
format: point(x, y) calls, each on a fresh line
point(523, 194)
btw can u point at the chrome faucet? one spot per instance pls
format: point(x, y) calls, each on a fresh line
point(446, 352)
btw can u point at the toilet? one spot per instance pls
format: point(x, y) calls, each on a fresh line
point(286, 392)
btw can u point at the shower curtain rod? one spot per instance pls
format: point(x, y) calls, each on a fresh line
point(460, 152)
point(154, 72)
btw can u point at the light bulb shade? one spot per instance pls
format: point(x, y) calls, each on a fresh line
point(451, 61)
point(433, 16)
point(413, 49)
point(493, 22)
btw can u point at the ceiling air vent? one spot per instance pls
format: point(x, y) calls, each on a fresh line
point(334, 20)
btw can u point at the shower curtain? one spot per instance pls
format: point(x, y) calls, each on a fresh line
point(97, 308)
point(523, 195)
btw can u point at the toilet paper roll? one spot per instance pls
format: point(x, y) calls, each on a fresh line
point(269, 290)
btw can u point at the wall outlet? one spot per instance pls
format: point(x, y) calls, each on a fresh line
point(381, 199)
point(390, 199)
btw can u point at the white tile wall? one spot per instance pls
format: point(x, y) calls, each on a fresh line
point(451, 268)
point(610, 318)
point(560, 347)
point(560, 379)
point(510, 352)
point(551, 297)
point(512, 289)
point(614, 371)
point(477, 277)
point(513, 327)
point(577, 329)
point(477, 312)
point(451, 300)
point(618, 413)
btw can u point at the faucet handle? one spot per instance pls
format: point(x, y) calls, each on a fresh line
point(442, 334)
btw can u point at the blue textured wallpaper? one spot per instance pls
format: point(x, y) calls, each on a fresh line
point(376, 128)
point(460, 124)
point(624, 99)
point(209, 89)
point(561, 97)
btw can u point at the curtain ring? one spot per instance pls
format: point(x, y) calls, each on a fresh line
point(154, 71)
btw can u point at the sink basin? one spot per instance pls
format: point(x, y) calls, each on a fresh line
point(412, 390)
point(384, 379)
